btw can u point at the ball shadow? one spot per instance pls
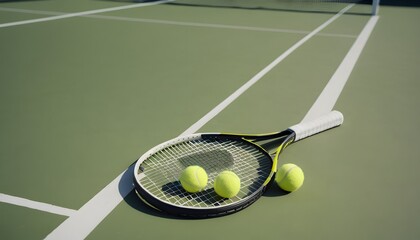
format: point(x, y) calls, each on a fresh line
point(275, 191)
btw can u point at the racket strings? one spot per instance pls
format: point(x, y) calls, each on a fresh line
point(163, 168)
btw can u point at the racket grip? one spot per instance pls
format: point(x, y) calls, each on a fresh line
point(323, 123)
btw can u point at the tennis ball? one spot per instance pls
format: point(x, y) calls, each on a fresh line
point(290, 177)
point(193, 179)
point(227, 184)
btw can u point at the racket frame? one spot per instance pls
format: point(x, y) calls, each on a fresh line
point(193, 212)
point(286, 137)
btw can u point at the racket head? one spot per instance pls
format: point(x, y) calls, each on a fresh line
point(156, 173)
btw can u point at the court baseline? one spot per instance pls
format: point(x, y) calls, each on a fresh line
point(179, 23)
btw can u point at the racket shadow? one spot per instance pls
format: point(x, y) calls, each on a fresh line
point(127, 192)
point(216, 160)
point(207, 196)
point(125, 187)
point(132, 199)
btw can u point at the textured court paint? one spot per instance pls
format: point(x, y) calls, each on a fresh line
point(334, 204)
point(329, 96)
point(77, 111)
point(95, 210)
point(78, 14)
point(36, 205)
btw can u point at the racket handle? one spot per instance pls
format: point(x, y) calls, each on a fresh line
point(323, 123)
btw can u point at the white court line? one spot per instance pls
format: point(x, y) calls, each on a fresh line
point(257, 77)
point(179, 23)
point(219, 26)
point(36, 205)
point(79, 225)
point(78, 14)
point(329, 96)
point(31, 11)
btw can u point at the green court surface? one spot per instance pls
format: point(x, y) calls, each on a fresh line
point(22, 223)
point(81, 98)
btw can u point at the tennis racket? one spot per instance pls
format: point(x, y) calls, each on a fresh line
point(253, 158)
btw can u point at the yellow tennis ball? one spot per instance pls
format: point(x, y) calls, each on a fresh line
point(290, 177)
point(193, 179)
point(227, 184)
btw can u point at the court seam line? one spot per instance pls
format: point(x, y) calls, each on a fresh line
point(45, 207)
point(86, 219)
point(181, 23)
point(78, 14)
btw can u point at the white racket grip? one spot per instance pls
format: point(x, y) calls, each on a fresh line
point(325, 122)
